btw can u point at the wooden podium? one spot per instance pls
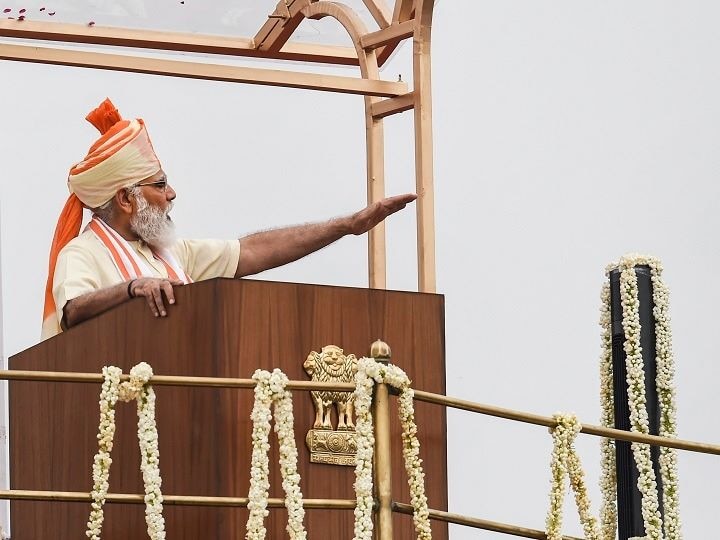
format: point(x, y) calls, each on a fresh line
point(218, 328)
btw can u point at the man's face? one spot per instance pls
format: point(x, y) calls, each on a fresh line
point(150, 219)
point(156, 190)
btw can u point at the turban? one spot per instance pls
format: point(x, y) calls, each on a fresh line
point(120, 158)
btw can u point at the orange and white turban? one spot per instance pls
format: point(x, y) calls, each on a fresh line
point(121, 157)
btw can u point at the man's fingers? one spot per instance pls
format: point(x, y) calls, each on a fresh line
point(151, 302)
point(369, 217)
point(394, 204)
point(390, 209)
point(157, 297)
point(167, 286)
point(401, 200)
point(152, 289)
point(406, 197)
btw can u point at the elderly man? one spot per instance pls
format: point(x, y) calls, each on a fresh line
point(129, 249)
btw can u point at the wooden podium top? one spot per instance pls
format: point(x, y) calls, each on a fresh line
point(218, 328)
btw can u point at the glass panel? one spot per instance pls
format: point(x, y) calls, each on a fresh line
point(242, 18)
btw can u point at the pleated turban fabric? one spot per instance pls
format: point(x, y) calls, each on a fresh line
point(120, 158)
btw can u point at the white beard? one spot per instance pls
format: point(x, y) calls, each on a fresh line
point(152, 224)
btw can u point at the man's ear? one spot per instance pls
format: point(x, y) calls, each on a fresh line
point(123, 201)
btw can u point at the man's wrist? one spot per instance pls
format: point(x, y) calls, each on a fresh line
point(345, 225)
point(129, 288)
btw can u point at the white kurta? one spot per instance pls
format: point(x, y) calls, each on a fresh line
point(85, 265)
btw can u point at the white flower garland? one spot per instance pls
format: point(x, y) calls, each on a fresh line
point(608, 478)
point(269, 390)
point(365, 439)
point(647, 483)
point(369, 372)
point(566, 462)
point(138, 389)
point(636, 397)
point(666, 396)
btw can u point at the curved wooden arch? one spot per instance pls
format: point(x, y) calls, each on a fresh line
point(374, 133)
point(424, 12)
point(421, 11)
point(355, 28)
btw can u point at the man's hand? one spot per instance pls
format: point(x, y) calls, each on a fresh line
point(364, 220)
point(152, 289)
point(93, 303)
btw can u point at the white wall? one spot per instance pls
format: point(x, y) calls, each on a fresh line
point(566, 134)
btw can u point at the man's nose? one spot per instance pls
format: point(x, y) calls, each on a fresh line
point(170, 193)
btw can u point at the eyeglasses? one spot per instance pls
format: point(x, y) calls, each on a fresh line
point(160, 184)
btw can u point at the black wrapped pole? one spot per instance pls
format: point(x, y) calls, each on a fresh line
point(630, 520)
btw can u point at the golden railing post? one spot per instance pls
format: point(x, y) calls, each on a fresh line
point(382, 470)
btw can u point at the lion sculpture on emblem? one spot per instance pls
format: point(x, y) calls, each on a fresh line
point(331, 365)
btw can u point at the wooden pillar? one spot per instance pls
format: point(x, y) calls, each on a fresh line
point(424, 150)
point(375, 141)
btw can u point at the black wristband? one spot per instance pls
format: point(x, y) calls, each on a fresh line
point(130, 294)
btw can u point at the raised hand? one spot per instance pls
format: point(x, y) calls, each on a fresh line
point(364, 220)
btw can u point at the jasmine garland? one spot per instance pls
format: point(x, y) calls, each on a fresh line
point(269, 390)
point(655, 529)
point(370, 372)
point(565, 460)
point(138, 389)
point(566, 463)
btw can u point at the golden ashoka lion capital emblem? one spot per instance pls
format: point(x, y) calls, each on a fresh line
point(328, 444)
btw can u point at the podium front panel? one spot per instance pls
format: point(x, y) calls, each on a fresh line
point(218, 328)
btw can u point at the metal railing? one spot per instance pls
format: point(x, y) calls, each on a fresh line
point(384, 506)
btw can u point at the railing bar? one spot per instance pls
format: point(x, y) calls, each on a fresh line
point(242, 502)
point(420, 395)
point(547, 421)
point(171, 500)
point(166, 380)
point(481, 408)
point(477, 523)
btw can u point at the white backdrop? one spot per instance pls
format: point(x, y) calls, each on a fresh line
point(566, 134)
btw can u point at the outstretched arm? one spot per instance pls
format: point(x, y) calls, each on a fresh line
point(259, 251)
point(269, 249)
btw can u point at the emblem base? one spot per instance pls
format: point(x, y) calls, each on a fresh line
point(332, 447)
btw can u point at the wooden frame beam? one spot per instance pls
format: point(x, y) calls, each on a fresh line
point(410, 18)
point(380, 12)
point(388, 107)
point(281, 24)
point(193, 70)
point(403, 10)
point(392, 34)
point(173, 41)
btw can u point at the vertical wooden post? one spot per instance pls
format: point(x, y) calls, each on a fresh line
point(375, 141)
point(424, 149)
point(382, 460)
